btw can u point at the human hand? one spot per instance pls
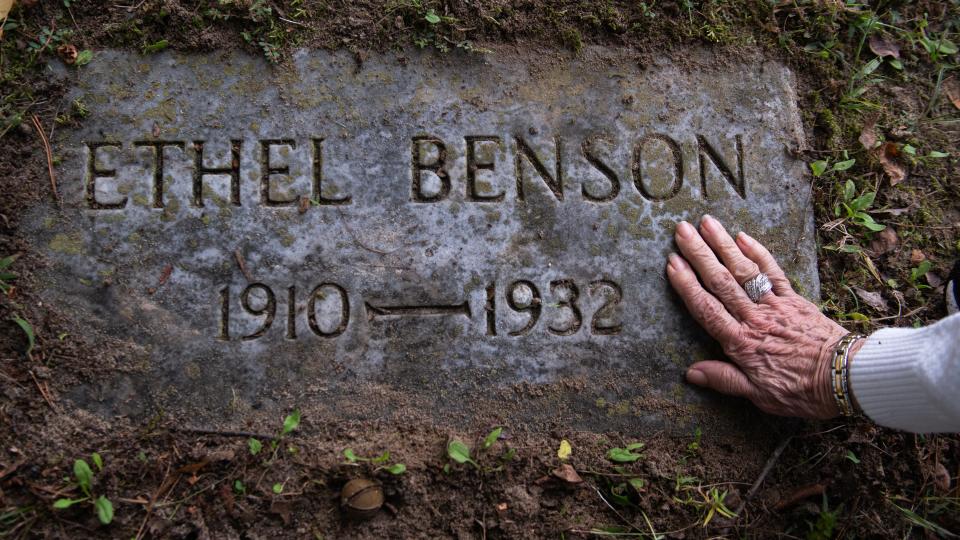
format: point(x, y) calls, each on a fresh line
point(781, 346)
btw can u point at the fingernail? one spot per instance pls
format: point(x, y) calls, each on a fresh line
point(685, 230)
point(746, 239)
point(673, 261)
point(710, 223)
point(697, 377)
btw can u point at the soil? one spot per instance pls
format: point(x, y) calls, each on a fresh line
point(816, 479)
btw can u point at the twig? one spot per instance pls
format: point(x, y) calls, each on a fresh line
point(46, 148)
point(153, 501)
point(799, 495)
point(43, 392)
point(243, 266)
point(763, 474)
point(632, 525)
point(293, 22)
point(200, 431)
point(343, 221)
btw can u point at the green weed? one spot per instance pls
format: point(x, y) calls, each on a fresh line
point(460, 453)
point(823, 527)
point(381, 461)
point(6, 276)
point(854, 208)
point(627, 454)
point(84, 476)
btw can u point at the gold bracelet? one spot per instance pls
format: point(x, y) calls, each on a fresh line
point(841, 373)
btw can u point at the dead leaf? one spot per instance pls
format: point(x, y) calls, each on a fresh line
point(888, 153)
point(868, 135)
point(226, 495)
point(192, 468)
point(798, 496)
point(933, 279)
point(895, 212)
point(872, 299)
point(917, 257)
point(156, 131)
point(885, 241)
point(5, 7)
point(282, 509)
point(165, 275)
point(884, 47)
point(951, 87)
point(567, 473)
point(941, 478)
point(68, 53)
point(304, 204)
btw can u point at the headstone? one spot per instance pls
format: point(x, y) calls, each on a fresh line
point(450, 234)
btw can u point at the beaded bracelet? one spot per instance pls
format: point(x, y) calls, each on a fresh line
point(841, 373)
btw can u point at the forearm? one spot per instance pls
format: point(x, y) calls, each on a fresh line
point(909, 378)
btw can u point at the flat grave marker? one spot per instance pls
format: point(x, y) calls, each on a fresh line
point(442, 233)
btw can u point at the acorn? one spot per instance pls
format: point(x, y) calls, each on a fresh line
point(361, 498)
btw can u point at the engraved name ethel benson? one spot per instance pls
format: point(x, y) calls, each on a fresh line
point(429, 156)
point(431, 232)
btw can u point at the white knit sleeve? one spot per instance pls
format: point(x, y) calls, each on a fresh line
point(909, 378)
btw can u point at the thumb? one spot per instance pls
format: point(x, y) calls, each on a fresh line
point(723, 377)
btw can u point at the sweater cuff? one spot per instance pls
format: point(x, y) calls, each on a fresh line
point(888, 380)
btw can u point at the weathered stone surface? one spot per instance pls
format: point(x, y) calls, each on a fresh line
point(476, 222)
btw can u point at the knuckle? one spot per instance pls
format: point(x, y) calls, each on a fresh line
point(745, 269)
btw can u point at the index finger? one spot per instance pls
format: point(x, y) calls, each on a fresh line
point(705, 308)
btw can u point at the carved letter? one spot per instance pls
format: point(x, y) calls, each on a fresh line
point(158, 147)
point(587, 148)
point(318, 178)
point(705, 149)
point(473, 166)
point(265, 198)
point(555, 183)
point(437, 167)
point(677, 165)
point(93, 173)
point(199, 170)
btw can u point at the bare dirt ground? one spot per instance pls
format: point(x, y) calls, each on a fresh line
point(879, 86)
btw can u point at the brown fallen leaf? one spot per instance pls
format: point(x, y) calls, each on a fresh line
point(868, 135)
point(917, 256)
point(5, 7)
point(304, 204)
point(941, 478)
point(885, 241)
point(192, 468)
point(951, 87)
point(156, 131)
point(888, 153)
point(165, 275)
point(282, 509)
point(872, 299)
point(226, 496)
point(884, 47)
point(68, 53)
point(799, 495)
point(567, 473)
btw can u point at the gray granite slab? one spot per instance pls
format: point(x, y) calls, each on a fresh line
point(448, 234)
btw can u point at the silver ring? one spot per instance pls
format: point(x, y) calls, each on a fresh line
point(757, 286)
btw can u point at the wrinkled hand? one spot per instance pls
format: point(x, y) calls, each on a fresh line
point(781, 346)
